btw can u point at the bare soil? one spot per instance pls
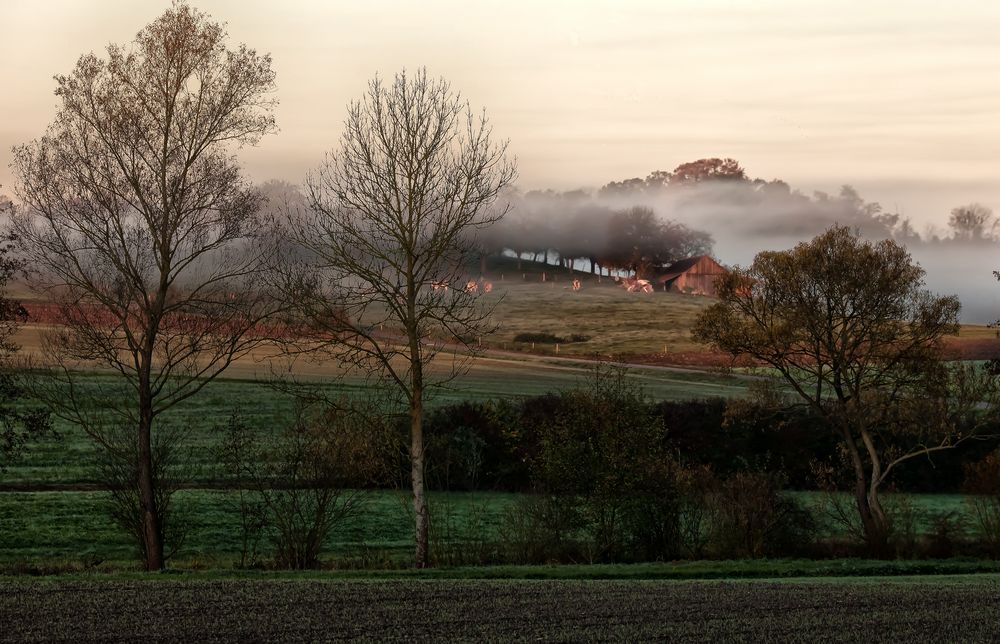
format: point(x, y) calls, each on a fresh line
point(929, 609)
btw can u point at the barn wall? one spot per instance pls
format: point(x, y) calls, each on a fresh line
point(700, 278)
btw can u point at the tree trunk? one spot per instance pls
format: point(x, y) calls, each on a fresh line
point(152, 534)
point(482, 264)
point(152, 522)
point(420, 513)
point(874, 523)
point(422, 558)
point(519, 262)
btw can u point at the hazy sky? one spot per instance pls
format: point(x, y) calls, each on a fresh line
point(899, 99)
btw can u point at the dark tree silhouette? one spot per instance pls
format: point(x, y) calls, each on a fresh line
point(707, 170)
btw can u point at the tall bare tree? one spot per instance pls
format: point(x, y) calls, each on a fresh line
point(390, 237)
point(140, 226)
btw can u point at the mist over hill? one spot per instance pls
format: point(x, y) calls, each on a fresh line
point(734, 217)
point(712, 206)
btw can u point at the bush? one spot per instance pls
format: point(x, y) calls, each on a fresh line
point(982, 483)
point(731, 436)
point(602, 456)
point(300, 482)
point(543, 528)
point(539, 337)
point(751, 517)
point(472, 446)
point(542, 337)
point(118, 473)
point(945, 537)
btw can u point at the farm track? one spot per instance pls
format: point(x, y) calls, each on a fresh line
point(164, 610)
point(257, 364)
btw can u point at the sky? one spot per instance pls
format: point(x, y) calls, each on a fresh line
point(899, 99)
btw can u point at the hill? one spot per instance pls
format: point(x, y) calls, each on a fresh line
point(538, 312)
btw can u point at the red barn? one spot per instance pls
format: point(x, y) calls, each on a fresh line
point(694, 275)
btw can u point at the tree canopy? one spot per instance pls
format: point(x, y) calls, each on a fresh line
point(848, 326)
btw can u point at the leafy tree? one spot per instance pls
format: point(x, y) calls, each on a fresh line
point(589, 232)
point(623, 188)
point(653, 185)
point(869, 217)
point(973, 222)
point(638, 241)
point(392, 211)
point(140, 226)
point(634, 239)
point(849, 328)
point(713, 169)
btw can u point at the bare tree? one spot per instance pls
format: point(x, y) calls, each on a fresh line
point(143, 230)
point(390, 236)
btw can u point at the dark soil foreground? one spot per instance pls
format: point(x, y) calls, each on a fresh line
point(949, 608)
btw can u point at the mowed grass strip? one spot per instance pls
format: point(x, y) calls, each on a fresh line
point(955, 609)
point(69, 459)
point(72, 530)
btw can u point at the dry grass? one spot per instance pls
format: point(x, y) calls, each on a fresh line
point(618, 324)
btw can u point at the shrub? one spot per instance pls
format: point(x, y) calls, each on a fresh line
point(946, 533)
point(118, 472)
point(732, 436)
point(543, 528)
point(602, 453)
point(542, 337)
point(472, 446)
point(751, 517)
point(982, 484)
point(300, 482)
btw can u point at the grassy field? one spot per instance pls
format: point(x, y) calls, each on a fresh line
point(948, 608)
point(616, 323)
point(73, 528)
point(49, 517)
point(68, 460)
